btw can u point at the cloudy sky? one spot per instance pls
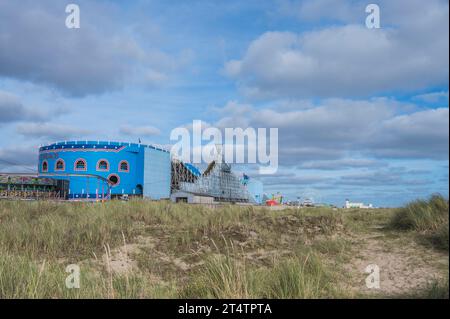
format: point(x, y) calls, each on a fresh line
point(362, 113)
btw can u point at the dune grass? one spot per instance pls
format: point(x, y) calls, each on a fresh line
point(221, 277)
point(430, 218)
point(303, 275)
point(422, 215)
point(37, 240)
point(21, 277)
point(238, 251)
point(55, 230)
point(438, 289)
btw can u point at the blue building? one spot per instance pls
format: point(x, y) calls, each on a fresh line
point(97, 169)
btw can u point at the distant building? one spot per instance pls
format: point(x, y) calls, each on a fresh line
point(97, 170)
point(101, 169)
point(308, 202)
point(30, 186)
point(191, 198)
point(349, 204)
point(216, 182)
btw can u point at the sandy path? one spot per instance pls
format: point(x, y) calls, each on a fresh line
point(404, 265)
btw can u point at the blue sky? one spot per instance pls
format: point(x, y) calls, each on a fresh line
point(362, 113)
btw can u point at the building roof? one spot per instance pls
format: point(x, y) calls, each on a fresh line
point(194, 170)
point(106, 145)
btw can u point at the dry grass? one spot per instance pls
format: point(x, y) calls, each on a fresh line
point(178, 250)
point(430, 218)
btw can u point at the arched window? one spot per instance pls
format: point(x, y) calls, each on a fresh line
point(114, 180)
point(60, 165)
point(80, 165)
point(102, 165)
point(124, 166)
point(44, 166)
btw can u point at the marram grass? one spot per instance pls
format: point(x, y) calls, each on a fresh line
point(39, 239)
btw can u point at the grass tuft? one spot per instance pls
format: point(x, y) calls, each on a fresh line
point(438, 289)
point(428, 217)
point(298, 278)
point(422, 215)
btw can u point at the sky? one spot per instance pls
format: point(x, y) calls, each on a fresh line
point(361, 113)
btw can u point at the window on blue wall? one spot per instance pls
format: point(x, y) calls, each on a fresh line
point(114, 180)
point(123, 166)
point(44, 166)
point(59, 165)
point(80, 165)
point(102, 165)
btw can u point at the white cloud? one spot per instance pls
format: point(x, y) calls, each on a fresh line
point(13, 110)
point(98, 57)
point(420, 134)
point(139, 130)
point(348, 60)
point(51, 131)
point(339, 128)
point(18, 158)
point(340, 164)
point(434, 97)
